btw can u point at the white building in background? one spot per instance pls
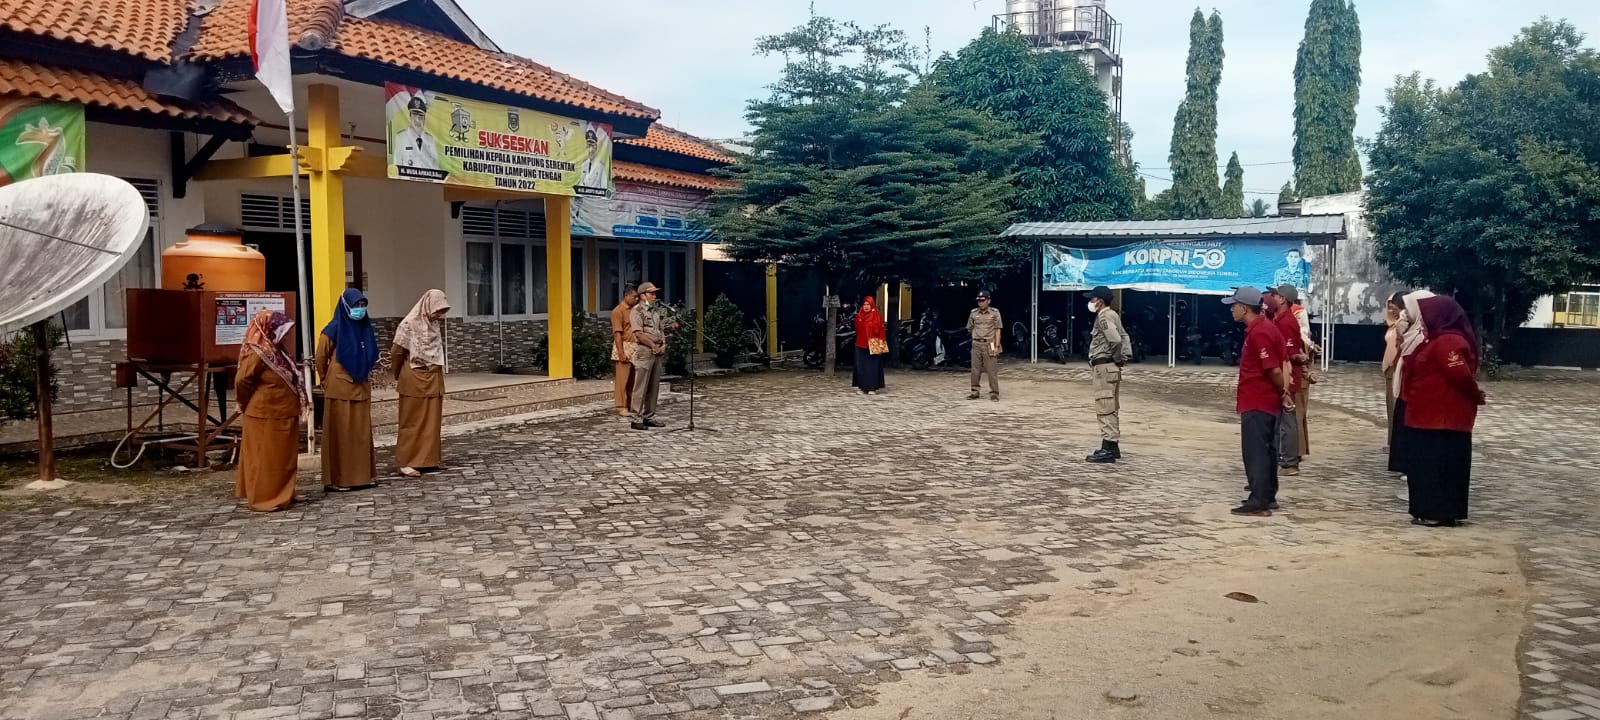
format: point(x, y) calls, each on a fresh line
point(1080, 27)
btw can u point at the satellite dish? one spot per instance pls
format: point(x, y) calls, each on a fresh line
point(62, 236)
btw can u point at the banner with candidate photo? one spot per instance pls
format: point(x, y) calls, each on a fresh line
point(448, 139)
point(1209, 267)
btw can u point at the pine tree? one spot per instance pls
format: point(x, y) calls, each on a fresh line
point(1287, 194)
point(1194, 129)
point(1327, 78)
point(1233, 189)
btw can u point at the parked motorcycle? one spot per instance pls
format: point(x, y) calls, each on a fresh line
point(1050, 338)
point(845, 339)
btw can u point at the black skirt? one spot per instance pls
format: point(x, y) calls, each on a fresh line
point(868, 373)
point(1397, 438)
point(1439, 473)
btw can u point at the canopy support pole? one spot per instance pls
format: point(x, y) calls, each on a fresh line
point(1172, 330)
point(1033, 320)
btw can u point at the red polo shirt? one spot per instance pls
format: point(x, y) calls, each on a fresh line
point(1263, 349)
point(1289, 327)
point(1439, 382)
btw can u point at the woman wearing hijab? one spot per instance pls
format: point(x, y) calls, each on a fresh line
point(1442, 398)
point(347, 351)
point(418, 360)
point(1409, 329)
point(872, 344)
point(274, 398)
point(1391, 353)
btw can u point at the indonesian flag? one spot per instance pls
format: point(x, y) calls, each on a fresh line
point(269, 49)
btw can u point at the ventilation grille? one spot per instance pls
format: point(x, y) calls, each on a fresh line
point(503, 224)
point(271, 212)
point(150, 190)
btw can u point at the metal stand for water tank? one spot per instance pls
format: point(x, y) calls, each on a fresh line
point(212, 433)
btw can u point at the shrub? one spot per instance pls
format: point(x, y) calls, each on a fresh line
point(724, 327)
point(19, 389)
point(591, 348)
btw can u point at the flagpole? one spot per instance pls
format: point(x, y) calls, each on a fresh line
point(306, 336)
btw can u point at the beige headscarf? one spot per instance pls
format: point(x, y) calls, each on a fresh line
point(419, 334)
point(1411, 333)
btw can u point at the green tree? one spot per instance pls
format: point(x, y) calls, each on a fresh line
point(1073, 174)
point(1489, 190)
point(1233, 189)
point(1327, 87)
point(1193, 157)
point(1259, 209)
point(1288, 194)
point(860, 177)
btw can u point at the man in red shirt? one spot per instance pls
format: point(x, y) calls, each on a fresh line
point(1281, 311)
point(1263, 394)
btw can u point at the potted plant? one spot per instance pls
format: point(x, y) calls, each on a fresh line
point(724, 331)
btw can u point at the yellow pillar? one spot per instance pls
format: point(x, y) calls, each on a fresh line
point(772, 310)
point(591, 275)
point(699, 297)
point(905, 301)
point(558, 271)
point(327, 206)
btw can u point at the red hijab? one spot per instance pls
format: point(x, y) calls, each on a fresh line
point(869, 323)
point(1443, 316)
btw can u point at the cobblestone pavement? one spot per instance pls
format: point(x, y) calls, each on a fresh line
point(812, 546)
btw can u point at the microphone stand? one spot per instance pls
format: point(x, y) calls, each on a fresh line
point(691, 427)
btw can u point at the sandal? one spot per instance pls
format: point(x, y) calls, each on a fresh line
point(410, 473)
point(1433, 523)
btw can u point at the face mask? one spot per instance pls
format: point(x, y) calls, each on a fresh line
point(1093, 307)
point(359, 313)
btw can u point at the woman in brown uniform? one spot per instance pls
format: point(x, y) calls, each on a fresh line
point(418, 361)
point(347, 350)
point(273, 395)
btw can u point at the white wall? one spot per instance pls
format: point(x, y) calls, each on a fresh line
point(136, 153)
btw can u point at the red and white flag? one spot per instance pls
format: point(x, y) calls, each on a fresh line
point(269, 48)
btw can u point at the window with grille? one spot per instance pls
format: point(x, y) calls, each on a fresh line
point(103, 312)
point(271, 212)
point(505, 262)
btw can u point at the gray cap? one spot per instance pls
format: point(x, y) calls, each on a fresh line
point(1244, 296)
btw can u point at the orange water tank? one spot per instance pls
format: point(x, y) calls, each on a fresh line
point(213, 258)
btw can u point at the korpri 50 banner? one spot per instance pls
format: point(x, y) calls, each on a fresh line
point(1211, 267)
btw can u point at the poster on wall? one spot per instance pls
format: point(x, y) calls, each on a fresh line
point(1209, 267)
point(451, 140)
point(38, 138)
point(234, 311)
point(645, 212)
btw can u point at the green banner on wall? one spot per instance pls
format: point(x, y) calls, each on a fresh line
point(39, 137)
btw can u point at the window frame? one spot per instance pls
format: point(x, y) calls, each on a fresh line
point(96, 299)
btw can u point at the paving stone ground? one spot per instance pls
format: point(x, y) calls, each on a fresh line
point(780, 563)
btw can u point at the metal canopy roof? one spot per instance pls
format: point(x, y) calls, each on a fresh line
point(1316, 229)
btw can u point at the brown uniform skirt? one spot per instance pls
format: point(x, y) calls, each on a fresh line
point(269, 459)
point(417, 444)
point(348, 459)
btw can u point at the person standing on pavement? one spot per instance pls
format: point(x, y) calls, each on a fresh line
point(1313, 352)
point(872, 345)
point(1262, 395)
point(1442, 400)
point(1412, 336)
point(272, 394)
point(1108, 352)
point(347, 351)
point(984, 325)
point(1281, 312)
point(418, 361)
point(622, 350)
point(1391, 355)
point(649, 358)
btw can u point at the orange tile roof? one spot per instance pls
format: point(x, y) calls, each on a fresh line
point(145, 28)
point(224, 35)
point(661, 137)
point(67, 85)
point(634, 172)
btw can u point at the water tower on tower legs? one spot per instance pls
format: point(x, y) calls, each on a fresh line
point(1080, 27)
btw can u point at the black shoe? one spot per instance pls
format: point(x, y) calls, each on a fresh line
point(1272, 505)
point(1115, 448)
point(994, 397)
point(1103, 455)
point(1248, 511)
point(639, 426)
point(654, 424)
point(973, 396)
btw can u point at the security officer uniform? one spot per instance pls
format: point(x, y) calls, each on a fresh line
point(649, 331)
point(984, 325)
point(1108, 351)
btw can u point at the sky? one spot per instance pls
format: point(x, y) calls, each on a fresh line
point(694, 59)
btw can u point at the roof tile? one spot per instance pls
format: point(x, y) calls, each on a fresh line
point(68, 85)
point(661, 137)
point(224, 35)
point(145, 28)
point(634, 172)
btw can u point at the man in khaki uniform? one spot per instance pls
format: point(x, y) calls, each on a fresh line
point(984, 324)
point(1108, 352)
point(622, 350)
point(649, 358)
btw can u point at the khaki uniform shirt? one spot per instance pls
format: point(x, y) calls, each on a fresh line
point(648, 323)
point(415, 382)
point(983, 324)
point(336, 381)
point(622, 322)
point(1108, 340)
